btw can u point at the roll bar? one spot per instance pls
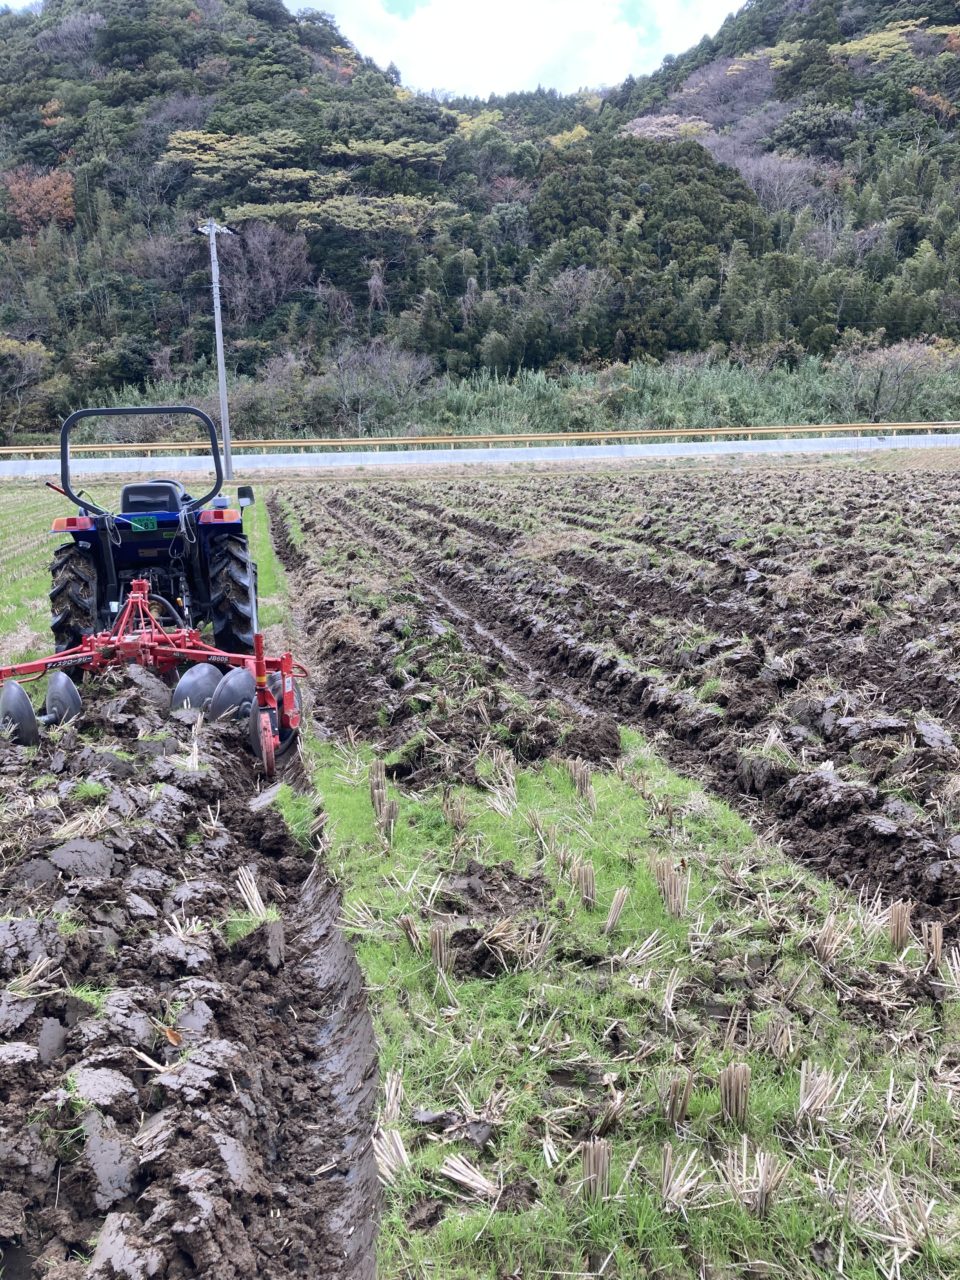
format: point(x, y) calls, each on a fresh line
point(75, 417)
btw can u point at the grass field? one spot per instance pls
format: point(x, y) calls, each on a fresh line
point(578, 1041)
point(620, 1033)
point(26, 548)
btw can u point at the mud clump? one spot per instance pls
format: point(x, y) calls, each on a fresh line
point(192, 1101)
point(485, 892)
point(596, 740)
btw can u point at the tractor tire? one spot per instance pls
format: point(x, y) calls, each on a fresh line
point(73, 596)
point(233, 594)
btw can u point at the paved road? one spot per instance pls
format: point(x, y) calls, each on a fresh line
point(582, 454)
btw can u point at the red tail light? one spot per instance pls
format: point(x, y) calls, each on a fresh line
point(67, 524)
point(226, 515)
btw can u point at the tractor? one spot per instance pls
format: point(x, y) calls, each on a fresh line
point(138, 585)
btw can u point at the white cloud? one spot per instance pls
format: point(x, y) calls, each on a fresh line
point(683, 24)
point(501, 45)
point(493, 46)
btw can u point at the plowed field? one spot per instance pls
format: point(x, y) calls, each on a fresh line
point(624, 847)
point(793, 639)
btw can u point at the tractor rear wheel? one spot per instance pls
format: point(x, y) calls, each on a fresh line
point(233, 594)
point(73, 596)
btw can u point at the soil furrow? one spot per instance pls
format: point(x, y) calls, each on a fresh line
point(185, 1090)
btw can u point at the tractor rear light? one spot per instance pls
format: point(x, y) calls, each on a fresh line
point(67, 524)
point(222, 515)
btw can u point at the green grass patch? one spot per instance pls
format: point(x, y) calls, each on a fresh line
point(543, 1048)
point(292, 521)
point(95, 997)
point(26, 549)
point(68, 924)
point(270, 573)
point(299, 813)
point(88, 789)
point(241, 924)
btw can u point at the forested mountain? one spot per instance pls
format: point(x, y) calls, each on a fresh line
point(784, 190)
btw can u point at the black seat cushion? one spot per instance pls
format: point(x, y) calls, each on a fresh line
point(151, 495)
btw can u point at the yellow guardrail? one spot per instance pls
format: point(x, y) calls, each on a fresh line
point(530, 437)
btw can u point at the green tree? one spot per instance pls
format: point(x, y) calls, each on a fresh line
point(22, 366)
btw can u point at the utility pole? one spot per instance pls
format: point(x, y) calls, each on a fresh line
point(211, 230)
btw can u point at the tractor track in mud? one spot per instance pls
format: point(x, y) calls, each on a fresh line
point(599, 623)
point(175, 1100)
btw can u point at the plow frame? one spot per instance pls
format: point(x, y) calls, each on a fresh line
point(138, 638)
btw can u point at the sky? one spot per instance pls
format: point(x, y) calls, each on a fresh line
point(491, 46)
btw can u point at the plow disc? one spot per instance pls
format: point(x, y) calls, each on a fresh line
point(196, 687)
point(234, 695)
point(223, 685)
point(18, 718)
point(63, 698)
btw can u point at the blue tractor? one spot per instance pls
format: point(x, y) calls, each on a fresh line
point(192, 551)
point(137, 586)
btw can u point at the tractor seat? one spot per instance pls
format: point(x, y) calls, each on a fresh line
point(152, 495)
